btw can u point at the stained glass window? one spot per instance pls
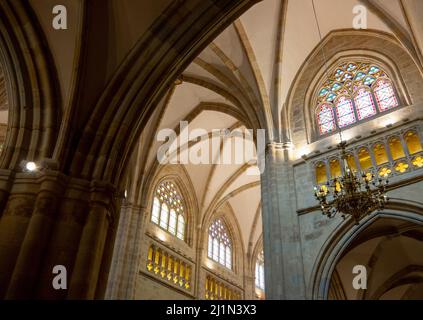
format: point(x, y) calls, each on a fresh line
point(260, 271)
point(344, 111)
point(168, 209)
point(364, 103)
point(326, 118)
point(385, 95)
point(358, 91)
point(220, 244)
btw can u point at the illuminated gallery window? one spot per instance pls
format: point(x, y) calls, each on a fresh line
point(413, 142)
point(335, 168)
point(220, 244)
point(365, 159)
point(321, 176)
point(168, 210)
point(260, 271)
point(381, 157)
point(354, 92)
point(396, 148)
point(400, 153)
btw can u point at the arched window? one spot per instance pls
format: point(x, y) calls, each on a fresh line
point(370, 87)
point(321, 176)
point(385, 95)
point(364, 103)
point(168, 209)
point(220, 244)
point(344, 111)
point(260, 271)
point(335, 168)
point(413, 142)
point(326, 118)
point(351, 162)
point(396, 148)
point(365, 159)
point(381, 156)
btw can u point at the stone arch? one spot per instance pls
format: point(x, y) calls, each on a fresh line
point(31, 87)
point(371, 45)
point(340, 239)
point(104, 149)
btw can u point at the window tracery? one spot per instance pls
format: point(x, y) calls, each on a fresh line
point(354, 92)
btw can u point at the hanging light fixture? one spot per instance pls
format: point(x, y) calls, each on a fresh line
point(353, 194)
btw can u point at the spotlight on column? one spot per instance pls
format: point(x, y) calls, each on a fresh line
point(125, 194)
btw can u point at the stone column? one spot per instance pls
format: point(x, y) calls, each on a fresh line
point(27, 268)
point(284, 272)
point(86, 271)
point(64, 241)
point(13, 226)
point(249, 286)
point(49, 220)
point(131, 253)
point(113, 281)
point(126, 254)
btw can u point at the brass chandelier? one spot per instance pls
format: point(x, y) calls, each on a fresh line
point(352, 194)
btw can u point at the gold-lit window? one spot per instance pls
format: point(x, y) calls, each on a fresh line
point(380, 153)
point(396, 149)
point(335, 168)
point(168, 209)
point(321, 176)
point(413, 142)
point(351, 162)
point(364, 159)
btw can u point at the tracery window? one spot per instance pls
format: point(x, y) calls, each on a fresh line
point(260, 271)
point(168, 209)
point(354, 92)
point(220, 244)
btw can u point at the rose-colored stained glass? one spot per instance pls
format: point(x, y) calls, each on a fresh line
point(344, 112)
point(364, 104)
point(326, 119)
point(385, 95)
